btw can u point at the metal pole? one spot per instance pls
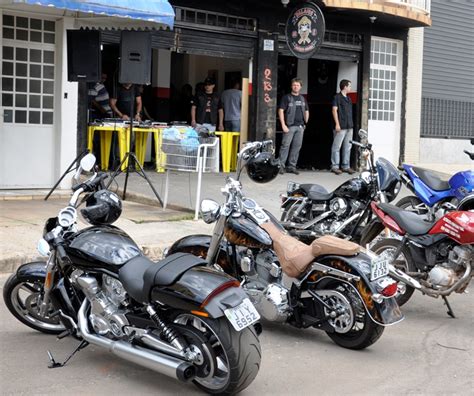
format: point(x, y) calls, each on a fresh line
point(198, 192)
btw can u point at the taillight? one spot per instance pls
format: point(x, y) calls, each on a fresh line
point(390, 290)
point(218, 290)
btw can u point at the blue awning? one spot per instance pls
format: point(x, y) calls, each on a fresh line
point(157, 11)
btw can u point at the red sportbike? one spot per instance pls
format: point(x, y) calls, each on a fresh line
point(435, 257)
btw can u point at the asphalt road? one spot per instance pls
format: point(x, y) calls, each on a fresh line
point(427, 354)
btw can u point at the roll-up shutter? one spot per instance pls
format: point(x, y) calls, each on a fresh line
point(215, 44)
point(163, 39)
point(333, 54)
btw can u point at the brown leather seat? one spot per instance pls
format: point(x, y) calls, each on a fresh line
point(295, 256)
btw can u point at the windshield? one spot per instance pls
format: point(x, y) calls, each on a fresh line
point(388, 174)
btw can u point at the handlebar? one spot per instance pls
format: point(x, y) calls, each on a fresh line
point(357, 143)
point(471, 155)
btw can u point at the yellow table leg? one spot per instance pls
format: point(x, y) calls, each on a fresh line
point(90, 138)
point(124, 145)
point(234, 150)
point(159, 155)
point(105, 143)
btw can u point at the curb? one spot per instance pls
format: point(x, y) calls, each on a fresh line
point(10, 264)
point(146, 200)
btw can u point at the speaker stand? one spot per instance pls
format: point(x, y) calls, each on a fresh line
point(132, 161)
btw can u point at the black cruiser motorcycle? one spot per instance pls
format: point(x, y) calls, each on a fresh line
point(310, 211)
point(177, 317)
point(336, 287)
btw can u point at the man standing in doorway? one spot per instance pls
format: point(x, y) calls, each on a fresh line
point(206, 109)
point(342, 115)
point(294, 115)
point(232, 102)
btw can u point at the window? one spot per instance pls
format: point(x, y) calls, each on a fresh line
point(383, 77)
point(28, 70)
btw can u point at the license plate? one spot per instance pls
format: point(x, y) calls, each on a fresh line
point(379, 268)
point(243, 315)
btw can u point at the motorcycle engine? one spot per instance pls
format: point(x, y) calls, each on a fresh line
point(341, 210)
point(107, 315)
point(263, 277)
point(448, 273)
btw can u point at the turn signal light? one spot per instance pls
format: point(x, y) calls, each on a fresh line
point(390, 290)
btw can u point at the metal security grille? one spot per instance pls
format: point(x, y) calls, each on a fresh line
point(447, 118)
point(28, 53)
point(383, 78)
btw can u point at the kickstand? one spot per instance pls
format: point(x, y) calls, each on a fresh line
point(450, 310)
point(54, 364)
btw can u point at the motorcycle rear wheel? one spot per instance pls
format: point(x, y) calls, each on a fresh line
point(22, 296)
point(412, 204)
point(364, 332)
point(403, 262)
point(232, 358)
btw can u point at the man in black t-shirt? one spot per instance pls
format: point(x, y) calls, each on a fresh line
point(206, 108)
point(342, 115)
point(124, 97)
point(294, 115)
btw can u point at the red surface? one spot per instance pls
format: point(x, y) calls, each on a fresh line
point(161, 92)
point(353, 96)
point(459, 226)
point(386, 219)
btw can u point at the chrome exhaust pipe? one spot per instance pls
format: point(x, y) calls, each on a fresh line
point(156, 361)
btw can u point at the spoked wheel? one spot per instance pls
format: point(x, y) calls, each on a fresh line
point(23, 297)
point(227, 361)
point(404, 262)
point(413, 204)
point(353, 328)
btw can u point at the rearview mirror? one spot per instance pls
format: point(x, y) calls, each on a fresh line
point(88, 162)
point(210, 210)
point(363, 134)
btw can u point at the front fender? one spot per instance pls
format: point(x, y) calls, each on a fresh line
point(198, 245)
point(384, 313)
point(35, 268)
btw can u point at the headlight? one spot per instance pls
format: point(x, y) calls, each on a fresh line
point(210, 210)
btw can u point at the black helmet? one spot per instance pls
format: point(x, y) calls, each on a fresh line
point(102, 207)
point(263, 167)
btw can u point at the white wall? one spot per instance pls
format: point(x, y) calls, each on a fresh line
point(347, 71)
point(65, 106)
point(445, 155)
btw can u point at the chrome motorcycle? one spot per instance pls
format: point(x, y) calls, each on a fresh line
point(329, 285)
point(177, 317)
point(309, 210)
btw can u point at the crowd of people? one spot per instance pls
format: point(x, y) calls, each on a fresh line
point(222, 112)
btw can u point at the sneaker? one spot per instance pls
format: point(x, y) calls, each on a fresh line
point(336, 171)
point(349, 170)
point(282, 170)
point(292, 170)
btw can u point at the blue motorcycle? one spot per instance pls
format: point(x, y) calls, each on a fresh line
point(435, 193)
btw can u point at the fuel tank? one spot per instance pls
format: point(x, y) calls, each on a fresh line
point(353, 189)
point(243, 231)
point(105, 247)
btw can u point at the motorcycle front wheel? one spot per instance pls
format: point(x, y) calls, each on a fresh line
point(23, 296)
point(354, 329)
point(229, 360)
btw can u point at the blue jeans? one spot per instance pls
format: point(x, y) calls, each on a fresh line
point(232, 126)
point(293, 138)
point(341, 138)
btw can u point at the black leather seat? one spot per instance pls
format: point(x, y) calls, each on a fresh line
point(140, 274)
point(315, 192)
point(410, 222)
point(435, 181)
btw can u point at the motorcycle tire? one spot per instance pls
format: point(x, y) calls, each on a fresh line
point(412, 204)
point(407, 266)
point(357, 339)
point(25, 310)
point(241, 349)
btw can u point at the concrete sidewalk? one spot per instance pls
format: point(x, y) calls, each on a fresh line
point(23, 213)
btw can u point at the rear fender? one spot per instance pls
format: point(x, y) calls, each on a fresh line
point(198, 245)
point(384, 313)
point(201, 290)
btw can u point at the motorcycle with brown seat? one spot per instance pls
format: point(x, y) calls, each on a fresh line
point(332, 285)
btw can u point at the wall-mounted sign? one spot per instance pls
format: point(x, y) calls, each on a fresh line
point(268, 45)
point(305, 30)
